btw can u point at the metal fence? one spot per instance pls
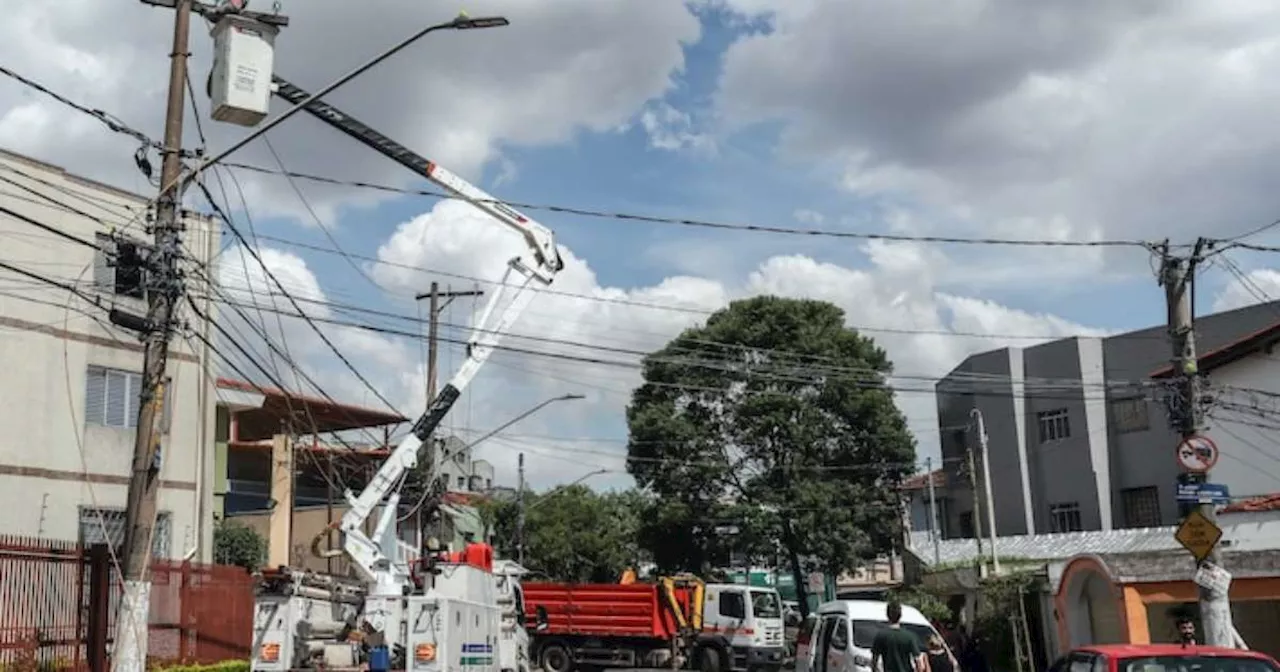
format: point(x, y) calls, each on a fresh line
point(58, 602)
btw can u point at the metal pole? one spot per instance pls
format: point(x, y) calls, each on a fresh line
point(935, 535)
point(522, 416)
point(520, 513)
point(1177, 277)
point(130, 651)
point(986, 486)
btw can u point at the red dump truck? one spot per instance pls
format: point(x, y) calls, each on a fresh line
point(672, 623)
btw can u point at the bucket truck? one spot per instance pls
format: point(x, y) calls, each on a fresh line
point(430, 611)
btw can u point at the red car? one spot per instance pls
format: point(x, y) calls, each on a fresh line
point(1163, 658)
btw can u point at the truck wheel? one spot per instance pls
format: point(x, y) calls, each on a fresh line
point(556, 658)
point(709, 660)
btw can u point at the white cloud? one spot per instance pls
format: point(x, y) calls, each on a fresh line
point(457, 96)
point(672, 130)
point(1082, 119)
point(1262, 285)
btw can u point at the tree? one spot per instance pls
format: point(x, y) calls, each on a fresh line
point(236, 544)
point(774, 420)
point(571, 533)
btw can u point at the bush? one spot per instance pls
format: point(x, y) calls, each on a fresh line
point(224, 666)
point(932, 606)
point(235, 544)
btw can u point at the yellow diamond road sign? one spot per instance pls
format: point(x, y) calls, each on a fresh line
point(1198, 535)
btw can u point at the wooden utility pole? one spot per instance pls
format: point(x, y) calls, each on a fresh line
point(163, 291)
point(1177, 276)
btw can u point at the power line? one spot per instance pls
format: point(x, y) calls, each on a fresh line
point(110, 121)
point(310, 321)
point(655, 306)
point(682, 221)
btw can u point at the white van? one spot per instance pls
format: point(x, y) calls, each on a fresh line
point(838, 637)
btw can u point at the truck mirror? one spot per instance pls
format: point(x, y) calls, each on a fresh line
point(542, 622)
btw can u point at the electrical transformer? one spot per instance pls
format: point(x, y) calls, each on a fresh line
point(243, 58)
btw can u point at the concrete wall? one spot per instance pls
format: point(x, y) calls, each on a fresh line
point(1241, 426)
point(51, 462)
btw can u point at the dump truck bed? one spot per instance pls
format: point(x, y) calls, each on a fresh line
point(603, 609)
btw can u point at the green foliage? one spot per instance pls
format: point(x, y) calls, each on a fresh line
point(236, 544)
point(998, 603)
point(932, 606)
point(571, 533)
point(224, 666)
point(816, 439)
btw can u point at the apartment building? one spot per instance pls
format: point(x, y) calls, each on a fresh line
point(70, 399)
point(1078, 436)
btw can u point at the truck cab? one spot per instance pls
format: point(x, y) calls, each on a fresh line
point(749, 619)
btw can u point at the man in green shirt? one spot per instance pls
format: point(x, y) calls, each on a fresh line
point(897, 649)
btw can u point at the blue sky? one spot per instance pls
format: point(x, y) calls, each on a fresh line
point(987, 125)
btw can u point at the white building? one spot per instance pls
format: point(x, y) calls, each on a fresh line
point(460, 469)
point(70, 398)
point(1243, 411)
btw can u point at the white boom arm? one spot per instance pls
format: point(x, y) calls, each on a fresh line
point(379, 558)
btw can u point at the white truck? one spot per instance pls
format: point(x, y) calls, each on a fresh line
point(411, 609)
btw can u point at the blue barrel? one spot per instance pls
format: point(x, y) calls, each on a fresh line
point(379, 659)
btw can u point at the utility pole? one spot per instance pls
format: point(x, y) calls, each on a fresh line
point(163, 283)
point(972, 473)
point(1177, 276)
point(435, 307)
point(130, 651)
point(986, 486)
point(520, 512)
point(433, 331)
point(935, 534)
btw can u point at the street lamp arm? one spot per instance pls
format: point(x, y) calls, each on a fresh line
point(522, 416)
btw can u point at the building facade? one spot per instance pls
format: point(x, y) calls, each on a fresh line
point(70, 401)
point(1078, 437)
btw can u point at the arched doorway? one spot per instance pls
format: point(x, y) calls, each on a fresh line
point(1089, 606)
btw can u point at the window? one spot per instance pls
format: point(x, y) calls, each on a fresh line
point(1130, 415)
point(840, 635)
point(111, 397)
point(966, 525)
point(109, 528)
point(109, 274)
point(462, 482)
point(1141, 506)
point(1065, 518)
point(765, 604)
point(733, 605)
point(1054, 425)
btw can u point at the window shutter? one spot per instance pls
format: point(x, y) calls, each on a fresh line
point(95, 396)
point(132, 401)
point(118, 405)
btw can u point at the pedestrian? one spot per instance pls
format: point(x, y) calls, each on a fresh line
point(1186, 631)
point(894, 649)
point(939, 658)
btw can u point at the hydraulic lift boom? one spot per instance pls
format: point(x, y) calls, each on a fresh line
point(380, 561)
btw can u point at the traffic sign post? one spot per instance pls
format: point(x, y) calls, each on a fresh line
point(1199, 535)
point(1197, 454)
point(1203, 493)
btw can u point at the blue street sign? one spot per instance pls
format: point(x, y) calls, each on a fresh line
point(1203, 493)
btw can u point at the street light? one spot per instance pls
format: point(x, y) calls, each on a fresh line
point(522, 416)
point(461, 22)
point(561, 488)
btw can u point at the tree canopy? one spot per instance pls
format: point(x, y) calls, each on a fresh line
point(773, 421)
point(571, 533)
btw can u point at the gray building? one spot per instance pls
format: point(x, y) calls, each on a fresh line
point(1078, 436)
